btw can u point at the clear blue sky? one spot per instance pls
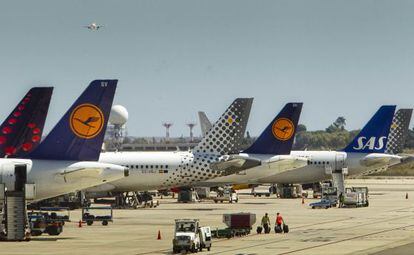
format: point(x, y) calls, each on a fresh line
point(173, 58)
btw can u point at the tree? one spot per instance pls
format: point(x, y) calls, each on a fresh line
point(301, 128)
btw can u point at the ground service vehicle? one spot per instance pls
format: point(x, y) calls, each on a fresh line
point(187, 235)
point(205, 238)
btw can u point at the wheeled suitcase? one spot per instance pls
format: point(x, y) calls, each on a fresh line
point(278, 229)
point(259, 229)
point(285, 228)
point(267, 229)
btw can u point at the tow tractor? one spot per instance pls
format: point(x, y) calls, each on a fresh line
point(90, 218)
point(189, 236)
point(44, 221)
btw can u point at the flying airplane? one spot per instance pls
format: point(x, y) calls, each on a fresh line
point(65, 161)
point(161, 170)
point(267, 156)
point(93, 26)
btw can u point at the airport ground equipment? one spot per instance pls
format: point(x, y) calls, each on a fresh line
point(238, 224)
point(187, 196)
point(104, 218)
point(187, 236)
point(356, 197)
point(289, 190)
point(205, 238)
point(14, 191)
point(259, 191)
point(45, 223)
point(331, 194)
point(228, 195)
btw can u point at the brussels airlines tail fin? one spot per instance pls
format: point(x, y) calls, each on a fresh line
point(373, 137)
point(226, 135)
point(205, 123)
point(22, 130)
point(277, 138)
point(79, 134)
point(398, 131)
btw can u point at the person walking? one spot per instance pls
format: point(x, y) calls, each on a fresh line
point(266, 223)
point(279, 222)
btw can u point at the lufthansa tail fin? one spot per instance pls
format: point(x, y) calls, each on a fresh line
point(22, 130)
point(373, 137)
point(278, 137)
point(205, 123)
point(226, 135)
point(79, 134)
point(399, 131)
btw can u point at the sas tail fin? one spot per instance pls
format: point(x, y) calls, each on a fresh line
point(399, 131)
point(21, 132)
point(205, 123)
point(225, 136)
point(278, 137)
point(373, 137)
point(79, 134)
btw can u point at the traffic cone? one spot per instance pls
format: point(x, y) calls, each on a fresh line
point(406, 195)
point(159, 235)
point(80, 224)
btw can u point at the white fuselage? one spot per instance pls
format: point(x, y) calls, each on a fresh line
point(320, 161)
point(56, 177)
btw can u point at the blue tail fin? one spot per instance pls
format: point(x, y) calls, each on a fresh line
point(20, 133)
point(373, 137)
point(277, 138)
point(79, 134)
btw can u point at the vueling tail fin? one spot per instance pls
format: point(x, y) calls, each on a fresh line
point(399, 131)
point(205, 123)
point(22, 130)
point(373, 137)
point(278, 137)
point(226, 135)
point(79, 134)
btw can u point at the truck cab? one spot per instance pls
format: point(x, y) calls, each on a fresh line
point(186, 235)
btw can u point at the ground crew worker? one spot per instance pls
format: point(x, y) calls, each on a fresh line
point(279, 220)
point(266, 223)
point(341, 200)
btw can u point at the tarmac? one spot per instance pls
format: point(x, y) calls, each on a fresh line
point(385, 227)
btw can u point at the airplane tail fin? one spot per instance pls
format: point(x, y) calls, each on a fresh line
point(79, 134)
point(278, 137)
point(225, 136)
point(205, 123)
point(22, 130)
point(373, 137)
point(399, 131)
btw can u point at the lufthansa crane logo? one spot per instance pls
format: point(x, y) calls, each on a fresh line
point(283, 129)
point(86, 121)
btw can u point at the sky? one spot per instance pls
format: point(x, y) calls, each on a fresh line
point(176, 57)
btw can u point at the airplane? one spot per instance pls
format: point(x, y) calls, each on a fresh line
point(163, 170)
point(93, 26)
point(365, 153)
point(22, 130)
point(65, 161)
point(268, 155)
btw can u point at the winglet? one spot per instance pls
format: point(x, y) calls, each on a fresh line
point(278, 137)
point(79, 134)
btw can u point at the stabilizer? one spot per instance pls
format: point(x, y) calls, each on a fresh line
point(79, 134)
point(373, 137)
point(205, 123)
point(22, 131)
point(278, 137)
point(399, 131)
point(225, 136)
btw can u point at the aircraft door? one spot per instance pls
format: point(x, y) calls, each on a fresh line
point(339, 161)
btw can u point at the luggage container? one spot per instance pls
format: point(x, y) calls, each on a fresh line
point(238, 224)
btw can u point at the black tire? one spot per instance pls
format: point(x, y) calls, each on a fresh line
point(208, 248)
point(89, 222)
point(313, 207)
point(53, 231)
point(36, 233)
point(215, 201)
point(104, 223)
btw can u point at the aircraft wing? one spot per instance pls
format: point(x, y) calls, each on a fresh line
point(93, 170)
point(232, 164)
point(380, 160)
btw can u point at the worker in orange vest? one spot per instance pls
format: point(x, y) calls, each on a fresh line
point(279, 220)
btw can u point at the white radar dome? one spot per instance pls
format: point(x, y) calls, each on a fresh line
point(119, 115)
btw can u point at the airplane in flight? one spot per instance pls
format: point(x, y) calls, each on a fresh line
point(162, 170)
point(65, 161)
point(267, 156)
point(93, 26)
point(364, 154)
